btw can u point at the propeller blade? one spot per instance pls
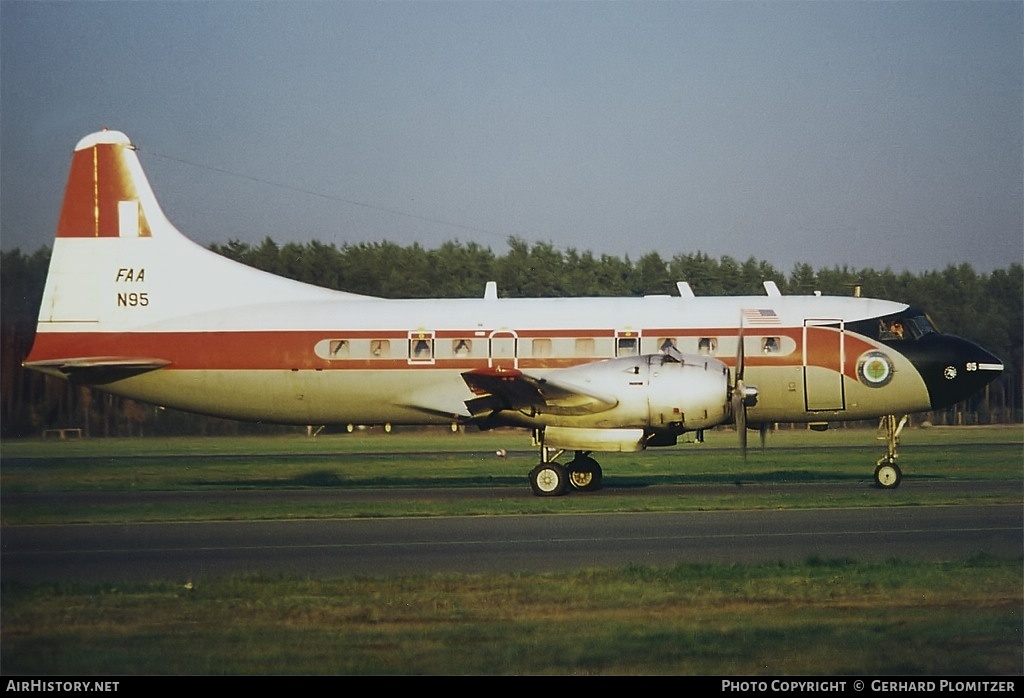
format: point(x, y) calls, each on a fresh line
point(739, 407)
point(739, 353)
point(740, 418)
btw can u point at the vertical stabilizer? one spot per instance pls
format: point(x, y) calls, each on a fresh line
point(118, 264)
point(103, 197)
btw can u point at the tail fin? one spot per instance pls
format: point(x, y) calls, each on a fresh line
point(119, 265)
point(105, 191)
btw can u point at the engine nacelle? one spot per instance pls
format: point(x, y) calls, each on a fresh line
point(697, 389)
point(655, 392)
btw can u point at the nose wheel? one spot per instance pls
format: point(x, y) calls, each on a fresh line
point(887, 474)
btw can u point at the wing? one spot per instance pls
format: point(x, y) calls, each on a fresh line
point(511, 389)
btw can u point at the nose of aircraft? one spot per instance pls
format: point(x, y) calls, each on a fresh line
point(953, 368)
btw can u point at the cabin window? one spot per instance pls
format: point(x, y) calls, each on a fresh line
point(380, 348)
point(708, 346)
point(541, 348)
point(421, 349)
point(504, 346)
point(585, 346)
point(666, 343)
point(770, 345)
point(333, 349)
point(462, 347)
point(339, 348)
point(626, 346)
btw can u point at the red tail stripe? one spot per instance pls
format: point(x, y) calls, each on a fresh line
point(98, 181)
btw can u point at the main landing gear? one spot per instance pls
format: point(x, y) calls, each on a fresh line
point(552, 479)
point(887, 474)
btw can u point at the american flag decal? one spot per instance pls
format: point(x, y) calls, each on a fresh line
point(760, 317)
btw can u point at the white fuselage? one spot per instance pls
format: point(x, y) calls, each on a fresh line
point(135, 308)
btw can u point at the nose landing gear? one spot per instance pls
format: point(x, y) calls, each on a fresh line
point(887, 474)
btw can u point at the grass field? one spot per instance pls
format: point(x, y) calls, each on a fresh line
point(820, 617)
point(441, 460)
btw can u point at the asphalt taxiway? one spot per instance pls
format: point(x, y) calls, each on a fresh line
point(500, 544)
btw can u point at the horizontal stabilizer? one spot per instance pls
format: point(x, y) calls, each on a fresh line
point(96, 370)
point(511, 389)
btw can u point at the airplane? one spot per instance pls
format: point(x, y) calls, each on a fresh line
point(133, 307)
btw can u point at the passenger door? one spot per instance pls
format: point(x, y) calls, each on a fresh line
point(824, 343)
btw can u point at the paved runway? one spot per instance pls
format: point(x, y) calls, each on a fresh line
point(535, 543)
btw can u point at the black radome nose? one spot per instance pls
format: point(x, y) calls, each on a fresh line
point(953, 368)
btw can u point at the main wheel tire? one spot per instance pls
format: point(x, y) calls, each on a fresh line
point(888, 476)
point(549, 480)
point(585, 474)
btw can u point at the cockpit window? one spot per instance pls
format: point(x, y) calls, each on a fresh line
point(920, 325)
point(891, 329)
point(909, 325)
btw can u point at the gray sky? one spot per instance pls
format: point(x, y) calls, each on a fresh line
point(867, 134)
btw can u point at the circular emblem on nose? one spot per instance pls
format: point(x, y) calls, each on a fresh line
point(949, 372)
point(874, 369)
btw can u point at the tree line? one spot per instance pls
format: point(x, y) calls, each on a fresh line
point(987, 308)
